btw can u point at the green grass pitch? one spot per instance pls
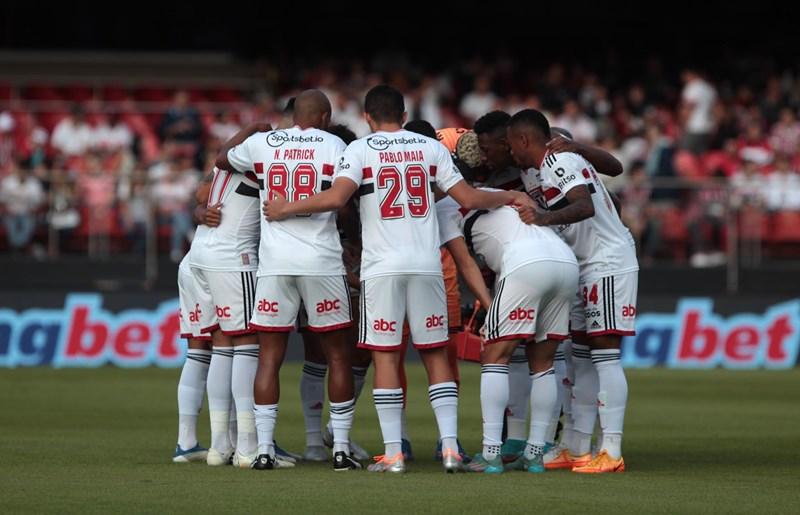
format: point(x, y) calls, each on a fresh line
point(100, 441)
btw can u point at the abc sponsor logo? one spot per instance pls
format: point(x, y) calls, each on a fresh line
point(628, 311)
point(522, 314)
point(194, 315)
point(265, 306)
point(434, 321)
point(223, 312)
point(384, 326)
point(327, 306)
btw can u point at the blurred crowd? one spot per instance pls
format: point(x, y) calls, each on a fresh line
point(101, 168)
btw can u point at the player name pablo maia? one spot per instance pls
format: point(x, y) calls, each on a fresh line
point(401, 157)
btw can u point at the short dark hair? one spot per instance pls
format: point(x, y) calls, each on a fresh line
point(492, 123)
point(384, 104)
point(533, 119)
point(289, 109)
point(344, 133)
point(421, 127)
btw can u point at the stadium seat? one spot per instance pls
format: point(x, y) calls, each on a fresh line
point(786, 227)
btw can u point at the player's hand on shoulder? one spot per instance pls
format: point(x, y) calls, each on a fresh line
point(213, 215)
point(522, 199)
point(561, 144)
point(533, 215)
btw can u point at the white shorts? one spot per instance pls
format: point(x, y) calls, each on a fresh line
point(233, 297)
point(387, 301)
point(533, 301)
point(280, 297)
point(196, 308)
point(605, 304)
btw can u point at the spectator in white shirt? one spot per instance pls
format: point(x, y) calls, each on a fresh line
point(479, 101)
point(21, 195)
point(72, 136)
point(582, 127)
point(698, 99)
point(782, 190)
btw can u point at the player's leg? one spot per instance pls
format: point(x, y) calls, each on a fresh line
point(191, 388)
point(426, 307)
point(327, 301)
point(494, 399)
point(277, 304)
point(618, 300)
point(382, 310)
point(221, 407)
point(408, 453)
point(519, 391)
point(558, 282)
point(584, 391)
point(361, 361)
point(195, 312)
point(312, 394)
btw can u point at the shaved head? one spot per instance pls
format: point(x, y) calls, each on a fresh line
point(312, 109)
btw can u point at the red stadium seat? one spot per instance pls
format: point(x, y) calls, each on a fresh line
point(40, 92)
point(153, 94)
point(786, 227)
point(77, 93)
point(114, 94)
point(674, 231)
point(224, 95)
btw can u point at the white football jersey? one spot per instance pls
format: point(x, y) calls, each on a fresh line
point(499, 236)
point(233, 244)
point(601, 243)
point(394, 172)
point(296, 164)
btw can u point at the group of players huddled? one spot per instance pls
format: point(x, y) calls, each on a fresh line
point(358, 244)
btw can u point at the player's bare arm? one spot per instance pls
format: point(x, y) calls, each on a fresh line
point(469, 271)
point(603, 162)
point(278, 208)
point(580, 207)
point(204, 214)
point(222, 158)
point(471, 198)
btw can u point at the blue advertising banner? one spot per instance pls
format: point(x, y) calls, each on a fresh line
point(83, 332)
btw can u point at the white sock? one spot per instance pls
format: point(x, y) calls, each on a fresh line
point(266, 415)
point(561, 390)
point(612, 398)
point(191, 387)
point(494, 398)
point(519, 390)
point(232, 432)
point(342, 421)
point(584, 400)
point(444, 400)
point(543, 399)
point(389, 405)
point(219, 397)
point(245, 363)
point(359, 377)
point(404, 426)
point(312, 397)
